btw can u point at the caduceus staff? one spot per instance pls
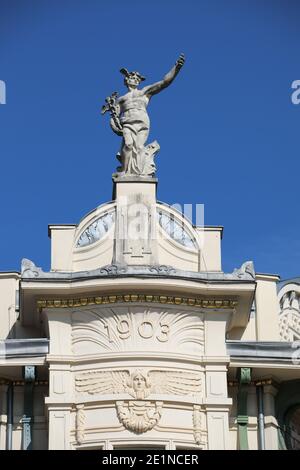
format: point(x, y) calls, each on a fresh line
point(113, 108)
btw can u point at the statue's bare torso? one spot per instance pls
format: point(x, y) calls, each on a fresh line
point(134, 99)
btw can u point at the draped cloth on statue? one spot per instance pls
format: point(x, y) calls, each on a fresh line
point(136, 125)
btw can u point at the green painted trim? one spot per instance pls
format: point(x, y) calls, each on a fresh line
point(243, 437)
point(242, 407)
point(245, 375)
point(27, 419)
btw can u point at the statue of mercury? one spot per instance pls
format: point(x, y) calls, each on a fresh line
point(129, 118)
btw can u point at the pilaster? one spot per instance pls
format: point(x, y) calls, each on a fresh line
point(271, 425)
point(59, 427)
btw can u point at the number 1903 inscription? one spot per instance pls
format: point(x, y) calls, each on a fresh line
point(146, 329)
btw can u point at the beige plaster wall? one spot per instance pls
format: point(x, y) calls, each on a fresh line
point(210, 248)
point(9, 284)
point(244, 334)
point(62, 239)
point(267, 308)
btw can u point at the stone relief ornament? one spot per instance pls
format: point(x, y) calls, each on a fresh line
point(129, 119)
point(289, 326)
point(124, 327)
point(162, 269)
point(80, 423)
point(199, 422)
point(139, 415)
point(113, 269)
point(246, 268)
point(289, 317)
point(139, 384)
point(102, 382)
point(29, 269)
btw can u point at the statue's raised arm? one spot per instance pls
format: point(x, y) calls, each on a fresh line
point(155, 88)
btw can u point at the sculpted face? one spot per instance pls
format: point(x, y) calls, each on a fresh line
point(132, 80)
point(139, 382)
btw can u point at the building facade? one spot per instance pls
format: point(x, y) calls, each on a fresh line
point(136, 338)
point(144, 342)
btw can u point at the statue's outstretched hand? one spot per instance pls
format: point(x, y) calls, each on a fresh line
point(180, 62)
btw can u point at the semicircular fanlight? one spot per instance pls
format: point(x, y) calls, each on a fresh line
point(176, 229)
point(96, 230)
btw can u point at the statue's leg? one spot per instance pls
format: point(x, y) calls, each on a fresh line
point(142, 137)
point(127, 148)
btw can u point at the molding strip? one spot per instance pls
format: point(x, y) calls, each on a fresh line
point(21, 348)
point(162, 299)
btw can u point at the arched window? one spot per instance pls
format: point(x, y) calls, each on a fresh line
point(288, 414)
point(292, 428)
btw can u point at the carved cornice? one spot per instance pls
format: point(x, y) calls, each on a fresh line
point(245, 273)
point(134, 298)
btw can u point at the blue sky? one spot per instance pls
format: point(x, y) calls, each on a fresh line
point(228, 131)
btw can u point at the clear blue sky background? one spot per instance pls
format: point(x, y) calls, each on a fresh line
point(228, 132)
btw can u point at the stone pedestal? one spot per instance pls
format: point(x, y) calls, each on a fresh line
point(136, 232)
